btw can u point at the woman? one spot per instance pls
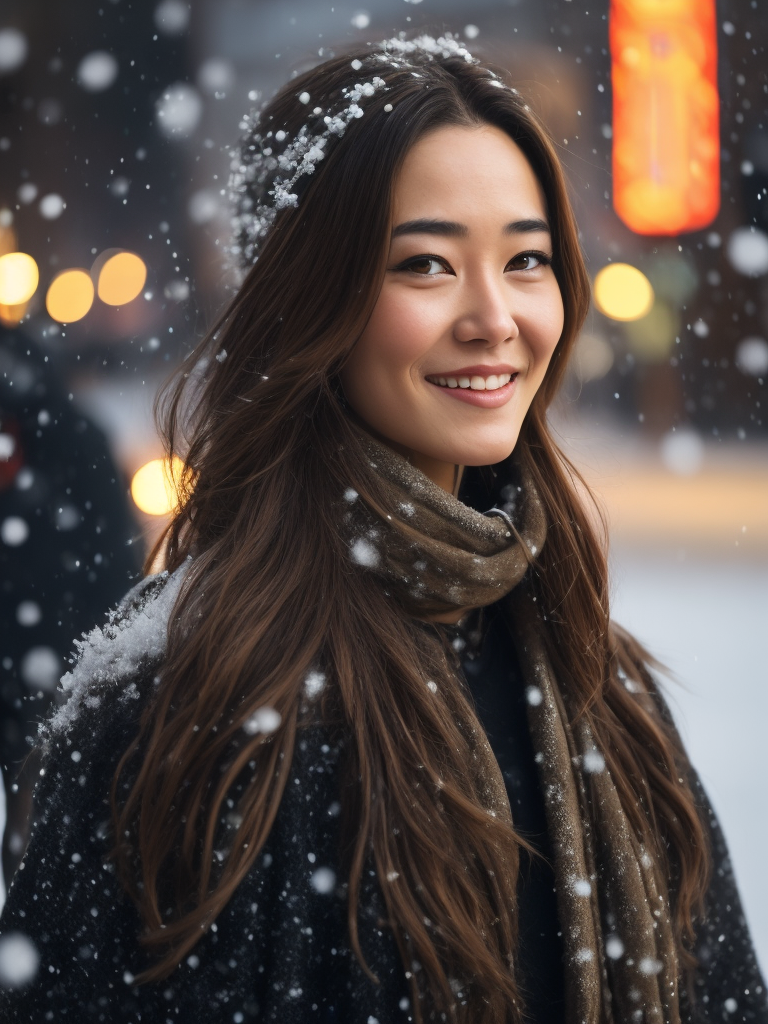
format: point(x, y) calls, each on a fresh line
point(369, 751)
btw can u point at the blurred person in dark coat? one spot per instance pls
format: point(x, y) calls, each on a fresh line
point(66, 554)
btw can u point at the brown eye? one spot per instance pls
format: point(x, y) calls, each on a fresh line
point(529, 261)
point(424, 266)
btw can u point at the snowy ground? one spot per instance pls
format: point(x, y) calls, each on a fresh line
point(706, 619)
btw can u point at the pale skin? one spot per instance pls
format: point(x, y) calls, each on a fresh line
point(469, 296)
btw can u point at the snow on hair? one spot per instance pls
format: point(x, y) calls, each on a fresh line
point(265, 168)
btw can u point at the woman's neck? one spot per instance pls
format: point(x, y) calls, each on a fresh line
point(444, 474)
point(449, 618)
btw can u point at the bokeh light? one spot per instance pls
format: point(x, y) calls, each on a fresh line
point(172, 17)
point(52, 206)
point(26, 193)
point(623, 292)
point(153, 488)
point(70, 296)
point(178, 110)
point(747, 251)
point(592, 357)
point(215, 77)
point(13, 50)
point(19, 278)
point(682, 451)
point(752, 356)
point(666, 136)
point(651, 339)
point(121, 278)
point(673, 275)
point(97, 71)
point(8, 239)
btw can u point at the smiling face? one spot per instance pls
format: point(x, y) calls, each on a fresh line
point(470, 311)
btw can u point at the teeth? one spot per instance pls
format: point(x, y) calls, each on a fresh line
point(476, 383)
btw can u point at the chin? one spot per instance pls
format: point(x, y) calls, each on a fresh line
point(482, 454)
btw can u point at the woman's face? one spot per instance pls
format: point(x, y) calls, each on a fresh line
point(469, 313)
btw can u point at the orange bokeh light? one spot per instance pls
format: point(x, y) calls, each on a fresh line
point(120, 278)
point(666, 141)
point(70, 296)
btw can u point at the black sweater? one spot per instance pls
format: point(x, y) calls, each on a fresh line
point(279, 951)
point(494, 679)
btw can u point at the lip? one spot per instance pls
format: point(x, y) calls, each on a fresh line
point(482, 399)
point(476, 371)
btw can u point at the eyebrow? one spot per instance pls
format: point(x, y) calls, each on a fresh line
point(451, 229)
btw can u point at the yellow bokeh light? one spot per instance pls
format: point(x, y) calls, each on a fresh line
point(70, 296)
point(623, 292)
point(8, 239)
point(121, 278)
point(153, 489)
point(10, 316)
point(19, 278)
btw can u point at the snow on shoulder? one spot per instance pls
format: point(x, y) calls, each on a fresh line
point(135, 633)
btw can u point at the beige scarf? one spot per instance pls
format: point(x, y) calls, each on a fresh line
point(439, 555)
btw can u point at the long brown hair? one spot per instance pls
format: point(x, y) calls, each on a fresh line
point(271, 593)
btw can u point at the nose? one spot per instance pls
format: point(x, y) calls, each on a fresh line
point(486, 314)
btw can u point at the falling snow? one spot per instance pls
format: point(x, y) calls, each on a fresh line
point(52, 206)
point(614, 947)
point(179, 110)
point(682, 451)
point(172, 16)
point(14, 531)
point(364, 553)
point(314, 684)
point(13, 50)
point(593, 762)
point(323, 880)
point(752, 356)
point(19, 960)
point(264, 720)
point(97, 71)
point(41, 668)
point(747, 251)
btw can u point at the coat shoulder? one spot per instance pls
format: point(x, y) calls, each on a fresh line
point(114, 663)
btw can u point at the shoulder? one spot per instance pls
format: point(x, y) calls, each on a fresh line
point(114, 660)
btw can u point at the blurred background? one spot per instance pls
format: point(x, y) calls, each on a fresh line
point(115, 124)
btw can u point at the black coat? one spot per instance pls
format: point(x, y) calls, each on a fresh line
point(77, 558)
point(279, 951)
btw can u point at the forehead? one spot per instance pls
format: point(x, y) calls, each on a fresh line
point(464, 173)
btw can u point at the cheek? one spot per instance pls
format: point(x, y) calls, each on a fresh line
point(549, 320)
point(398, 336)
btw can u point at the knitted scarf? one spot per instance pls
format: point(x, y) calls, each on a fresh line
point(440, 555)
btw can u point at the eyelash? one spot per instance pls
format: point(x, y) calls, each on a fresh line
point(544, 260)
